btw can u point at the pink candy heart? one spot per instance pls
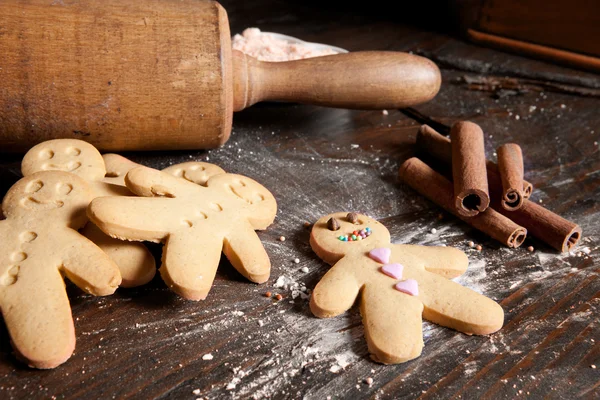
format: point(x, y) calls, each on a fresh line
point(381, 255)
point(409, 286)
point(393, 270)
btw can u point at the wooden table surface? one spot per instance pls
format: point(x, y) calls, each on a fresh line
point(149, 343)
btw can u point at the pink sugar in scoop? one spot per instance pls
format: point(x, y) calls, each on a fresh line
point(268, 47)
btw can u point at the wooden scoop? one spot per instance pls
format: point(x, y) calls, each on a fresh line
point(159, 74)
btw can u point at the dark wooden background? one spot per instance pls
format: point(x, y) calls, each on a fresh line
point(149, 343)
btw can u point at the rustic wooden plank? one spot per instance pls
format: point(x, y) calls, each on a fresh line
point(148, 343)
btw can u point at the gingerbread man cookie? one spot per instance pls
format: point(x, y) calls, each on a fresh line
point(196, 172)
point(40, 243)
point(135, 262)
point(196, 223)
point(398, 285)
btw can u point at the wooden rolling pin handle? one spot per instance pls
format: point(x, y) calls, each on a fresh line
point(359, 80)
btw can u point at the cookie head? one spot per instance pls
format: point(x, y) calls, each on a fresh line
point(69, 155)
point(195, 171)
point(49, 194)
point(336, 235)
point(258, 203)
point(244, 189)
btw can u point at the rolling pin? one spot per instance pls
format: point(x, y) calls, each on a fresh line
point(161, 74)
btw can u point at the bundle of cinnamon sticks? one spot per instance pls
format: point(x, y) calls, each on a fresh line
point(493, 198)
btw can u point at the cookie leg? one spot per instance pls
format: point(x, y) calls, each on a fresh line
point(450, 304)
point(246, 253)
point(393, 325)
point(190, 262)
point(87, 266)
point(38, 317)
point(134, 260)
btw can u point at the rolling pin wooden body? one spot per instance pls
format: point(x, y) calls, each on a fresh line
point(161, 74)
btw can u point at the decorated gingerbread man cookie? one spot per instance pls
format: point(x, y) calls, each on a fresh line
point(196, 223)
point(40, 243)
point(135, 262)
point(398, 285)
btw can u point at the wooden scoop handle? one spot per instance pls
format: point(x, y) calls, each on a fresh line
point(359, 80)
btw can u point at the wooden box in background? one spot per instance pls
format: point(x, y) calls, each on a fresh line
point(565, 32)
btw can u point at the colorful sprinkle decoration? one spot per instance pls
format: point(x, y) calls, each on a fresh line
point(356, 235)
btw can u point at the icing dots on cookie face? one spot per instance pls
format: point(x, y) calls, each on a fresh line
point(331, 235)
point(356, 235)
point(68, 155)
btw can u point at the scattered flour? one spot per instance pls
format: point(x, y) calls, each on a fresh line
point(342, 361)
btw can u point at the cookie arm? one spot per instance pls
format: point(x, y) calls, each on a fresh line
point(444, 261)
point(88, 267)
point(246, 253)
point(149, 182)
point(38, 317)
point(117, 167)
point(135, 218)
point(393, 324)
point(450, 304)
point(336, 292)
point(190, 262)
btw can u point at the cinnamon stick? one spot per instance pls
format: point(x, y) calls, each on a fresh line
point(439, 147)
point(468, 169)
point(543, 224)
point(510, 166)
point(435, 144)
point(438, 189)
